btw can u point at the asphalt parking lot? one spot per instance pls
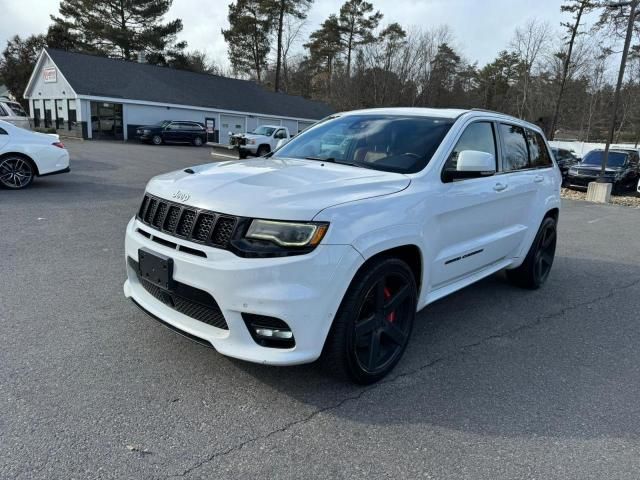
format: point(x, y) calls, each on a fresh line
point(497, 382)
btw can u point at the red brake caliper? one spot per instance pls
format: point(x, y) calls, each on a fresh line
point(392, 316)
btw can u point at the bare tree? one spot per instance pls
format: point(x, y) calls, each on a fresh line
point(529, 43)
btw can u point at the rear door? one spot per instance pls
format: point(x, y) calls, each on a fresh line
point(527, 172)
point(471, 232)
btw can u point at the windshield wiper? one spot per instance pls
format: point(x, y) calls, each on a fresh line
point(318, 159)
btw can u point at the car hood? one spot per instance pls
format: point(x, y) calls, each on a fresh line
point(287, 189)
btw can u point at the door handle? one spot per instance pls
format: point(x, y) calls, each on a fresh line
point(498, 187)
point(538, 179)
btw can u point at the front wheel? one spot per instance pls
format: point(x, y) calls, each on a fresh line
point(197, 141)
point(156, 140)
point(536, 267)
point(372, 328)
point(263, 150)
point(16, 172)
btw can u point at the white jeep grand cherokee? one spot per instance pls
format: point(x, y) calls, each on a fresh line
point(330, 245)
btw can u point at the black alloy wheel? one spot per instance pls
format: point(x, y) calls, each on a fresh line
point(156, 140)
point(535, 269)
point(372, 328)
point(16, 172)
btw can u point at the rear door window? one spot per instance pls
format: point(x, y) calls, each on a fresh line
point(516, 152)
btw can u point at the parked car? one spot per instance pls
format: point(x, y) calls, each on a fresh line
point(329, 252)
point(169, 131)
point(622, 170)
point(13, 112)
point(261, 141)
point(565, 159)
point(25, 155)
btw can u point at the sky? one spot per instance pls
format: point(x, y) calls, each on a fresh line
point(481, 27)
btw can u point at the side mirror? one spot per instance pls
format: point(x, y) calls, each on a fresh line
point(472, 164)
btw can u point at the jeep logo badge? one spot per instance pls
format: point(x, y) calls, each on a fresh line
point(181, 196)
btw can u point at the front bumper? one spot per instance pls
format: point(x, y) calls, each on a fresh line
point(305, 291)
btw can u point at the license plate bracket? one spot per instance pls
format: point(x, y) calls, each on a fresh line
point(156, 268)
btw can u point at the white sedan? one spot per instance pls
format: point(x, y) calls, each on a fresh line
point(25, 155)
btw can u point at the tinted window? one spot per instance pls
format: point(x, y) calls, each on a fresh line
point(280, 134)
point(393, 143)
point(538, 153)
point(477, 136)
point(18, 111)
point(516, 156)
point(615, 159)
point(3, 112)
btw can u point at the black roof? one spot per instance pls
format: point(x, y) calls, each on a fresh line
point(109, 77)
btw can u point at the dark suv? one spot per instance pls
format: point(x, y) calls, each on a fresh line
point(169, 131)
point(622, 170)
point(565, 159)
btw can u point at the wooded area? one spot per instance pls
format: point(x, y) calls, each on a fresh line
point(559, 76)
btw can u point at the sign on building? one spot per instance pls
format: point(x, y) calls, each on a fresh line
point(50, 75)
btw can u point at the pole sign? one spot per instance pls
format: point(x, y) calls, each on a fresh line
point(50, 75)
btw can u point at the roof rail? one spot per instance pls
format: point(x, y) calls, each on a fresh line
point(488, 111)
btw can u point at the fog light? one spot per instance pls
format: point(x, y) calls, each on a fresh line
point(272, 333)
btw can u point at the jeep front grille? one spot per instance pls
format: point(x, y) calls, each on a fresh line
point(189, 223)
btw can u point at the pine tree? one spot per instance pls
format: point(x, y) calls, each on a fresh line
point(324, 46)
point(279, 10)
point(356, 27)
point(121, 29)
point(250, 25)
point(18, 61)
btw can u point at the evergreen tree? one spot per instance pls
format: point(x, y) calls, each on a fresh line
point(325, 44)
point(279, 10)
point(18, 61)
point(356, 27)
point(120, 29)
point(250, 25)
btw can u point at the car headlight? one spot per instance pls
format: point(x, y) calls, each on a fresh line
point(287, 234)
point(250, 142)
point(146, 132)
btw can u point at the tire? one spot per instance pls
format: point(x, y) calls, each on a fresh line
point(372, 327)
point(197, 141)
point(16, 172)
point(535, 269)
point(263, 150)
point(156, 140)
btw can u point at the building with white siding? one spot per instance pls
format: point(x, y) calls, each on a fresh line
point(97, 97)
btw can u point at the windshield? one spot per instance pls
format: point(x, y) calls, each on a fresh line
point(393, 143)
point(162, 123)
point(17, 109)
point(615, 159)
point(268, 131)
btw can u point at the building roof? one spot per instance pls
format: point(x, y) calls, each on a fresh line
point(109, 77)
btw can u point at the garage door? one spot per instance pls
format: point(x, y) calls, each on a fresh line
point(268, 121)
point(303, 125)
point(230, 124)
point(292, 125)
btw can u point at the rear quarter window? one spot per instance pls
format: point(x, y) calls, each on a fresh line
point(538, 152)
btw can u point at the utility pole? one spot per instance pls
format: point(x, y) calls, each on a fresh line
point(623, 62)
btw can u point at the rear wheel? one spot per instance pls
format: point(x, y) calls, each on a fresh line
point(16, 172)
point(156, 140)
point(372, 328)
point(536, 267)
point(263, 150)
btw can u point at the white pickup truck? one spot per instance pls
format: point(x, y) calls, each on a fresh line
point(261, 141)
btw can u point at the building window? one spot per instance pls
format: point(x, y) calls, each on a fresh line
point(73, 116)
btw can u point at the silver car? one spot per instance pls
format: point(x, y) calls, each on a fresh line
point(13, 112)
